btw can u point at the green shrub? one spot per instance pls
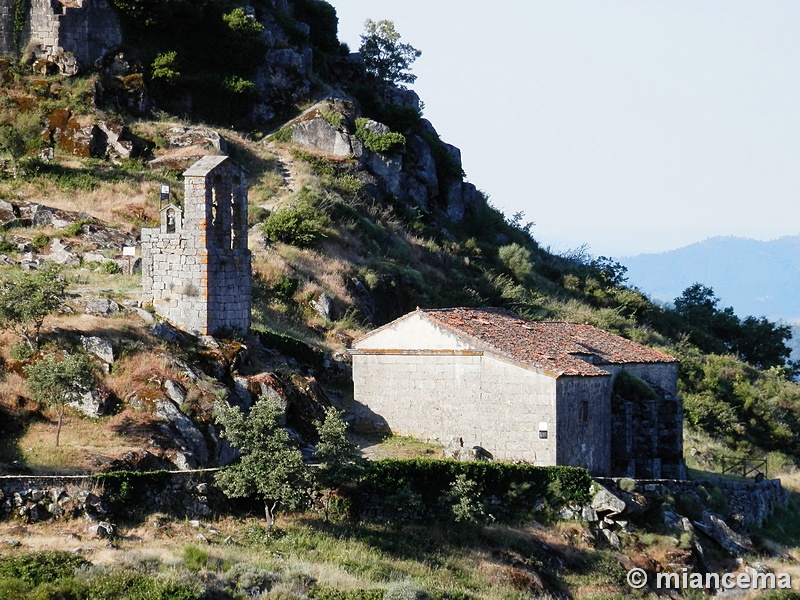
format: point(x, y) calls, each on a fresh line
point(519, 486)
point(106, 267)
point(7, 247)
point(464, 501)
point(282, 135)
point(321, 167)
point(630, 387)
point(516, 259)
point(301, 224)
point(239, 86)
point(249, 579)
point(378, 142)
point(164, 68)
point(21, 351)
point(40, 567)
point(74, 229)
point(40, 240)
point(321, 593)
point(334, 117)
point(13, 588)
point(195, 558)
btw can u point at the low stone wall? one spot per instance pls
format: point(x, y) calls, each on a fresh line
point(38, 498)
point(748, 501)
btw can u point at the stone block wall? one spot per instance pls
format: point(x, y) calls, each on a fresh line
point(199, 277)
point(443, 395)
point(7, 47)
point(648, 434)
point(72, 35)
point(584, 426)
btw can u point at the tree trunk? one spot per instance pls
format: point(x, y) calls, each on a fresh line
point(269, 512)
point(58, 425)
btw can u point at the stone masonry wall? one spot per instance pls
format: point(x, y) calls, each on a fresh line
point(7, 47)
point(584, 426)
point(648, 434)
point(483, 401)
point(73, 35)
point(40, 498)
point(199, 278)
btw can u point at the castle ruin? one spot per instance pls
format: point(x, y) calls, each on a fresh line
point(72, 34)
point(196, 265)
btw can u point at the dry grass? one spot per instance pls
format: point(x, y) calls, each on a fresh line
point(81, 438)
point(12, 387)
point(143, 371)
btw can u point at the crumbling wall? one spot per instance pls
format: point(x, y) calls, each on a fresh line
point(72, 34)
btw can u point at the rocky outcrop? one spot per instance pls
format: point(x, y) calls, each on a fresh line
point(408, 171)
point(93, 404)
point(190, 438)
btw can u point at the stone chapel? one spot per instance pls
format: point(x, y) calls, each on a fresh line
point(196, 266)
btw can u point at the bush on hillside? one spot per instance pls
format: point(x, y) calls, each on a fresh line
point(516, 259)
point(300, 224)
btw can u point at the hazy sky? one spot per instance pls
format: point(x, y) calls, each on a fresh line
point(630, 126)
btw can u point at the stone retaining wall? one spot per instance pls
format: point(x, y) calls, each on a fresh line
point(752, 502)
point(38, 498)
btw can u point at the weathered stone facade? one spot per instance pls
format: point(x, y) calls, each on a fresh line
point(7, 47)
point(428, 378)
point(648, 433)
point(196, 267)
point(71, 34)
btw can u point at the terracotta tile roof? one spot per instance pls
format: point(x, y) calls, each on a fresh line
point(555, 347)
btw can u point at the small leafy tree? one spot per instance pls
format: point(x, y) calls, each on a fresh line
point(26, 299)
point(271, 467)
point(165, 68)
point(60, 378)
point(516, 259)
point(464, 501)
point(339, 458)
point(385, 56)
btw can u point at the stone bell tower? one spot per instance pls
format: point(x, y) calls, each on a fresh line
point(196, 266)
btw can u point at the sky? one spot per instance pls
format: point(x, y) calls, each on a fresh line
point(626, 126)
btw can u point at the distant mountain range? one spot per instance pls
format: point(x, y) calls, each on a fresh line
point(756, 278)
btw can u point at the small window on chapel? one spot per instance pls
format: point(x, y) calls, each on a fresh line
point(585, 411)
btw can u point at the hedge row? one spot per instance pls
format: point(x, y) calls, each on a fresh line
point(510, 491)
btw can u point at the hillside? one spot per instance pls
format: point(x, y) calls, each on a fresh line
point(358, 212)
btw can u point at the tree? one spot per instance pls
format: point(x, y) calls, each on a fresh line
point(385, 56)
point(12, 143)
point(271, 467)
point(760, 342)
point(60, 378)
point(516, 259)
point(339, 458)
point(27, 298)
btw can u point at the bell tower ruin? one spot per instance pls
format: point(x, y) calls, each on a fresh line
point(196, 265)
